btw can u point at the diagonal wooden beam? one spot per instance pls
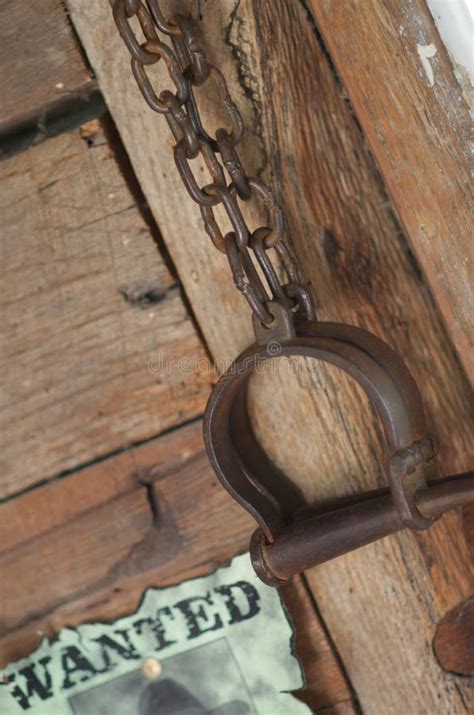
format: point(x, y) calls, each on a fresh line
point(401, 82)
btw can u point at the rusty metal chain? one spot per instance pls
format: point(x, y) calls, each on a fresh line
point(188, 67)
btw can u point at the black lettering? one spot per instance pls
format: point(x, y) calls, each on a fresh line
point(34, 686)
point(157, 627)
point(127, 651)
point(73, 661)
point(192, 617)
point(251, 596)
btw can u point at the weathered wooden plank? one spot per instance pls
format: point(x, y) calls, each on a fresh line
point(401, 82)
point(87, 302)
point(97, 528)
point(325, 686)
point(42, 67)
point(380, 603)
point(375, 588)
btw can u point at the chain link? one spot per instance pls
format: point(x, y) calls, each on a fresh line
point(189, 67)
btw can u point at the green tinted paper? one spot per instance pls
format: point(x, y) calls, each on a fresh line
point(219, 644)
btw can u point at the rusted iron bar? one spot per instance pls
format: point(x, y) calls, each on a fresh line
point(324, 536)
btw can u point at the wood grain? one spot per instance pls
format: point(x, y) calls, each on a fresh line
point(324, 681)
point(88, 303)
point(42, 67)
point(98, 529)
point(419, 129)
point(468, 524)
point(381, 604)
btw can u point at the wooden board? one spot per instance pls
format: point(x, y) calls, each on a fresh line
point(88, 305)
point(98, 529)
point(381, 604)
point(401, 82)
point(42, 67)
point(325, 679)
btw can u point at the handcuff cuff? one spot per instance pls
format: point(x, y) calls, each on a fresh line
point(292, 537)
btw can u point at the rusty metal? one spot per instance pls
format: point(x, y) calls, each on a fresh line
point(188, 67)
point(307, 542)
point(290, 537)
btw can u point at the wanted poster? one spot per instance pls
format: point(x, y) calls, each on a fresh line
point(219, 645)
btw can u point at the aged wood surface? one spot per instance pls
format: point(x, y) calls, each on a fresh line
point(42, 67)
point(88, 304)
point(468, 524)
point(98, 528)
point(325, 684)
point(381, 603)
point(401, 82)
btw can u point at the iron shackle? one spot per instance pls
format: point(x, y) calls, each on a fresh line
point(292, 537)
